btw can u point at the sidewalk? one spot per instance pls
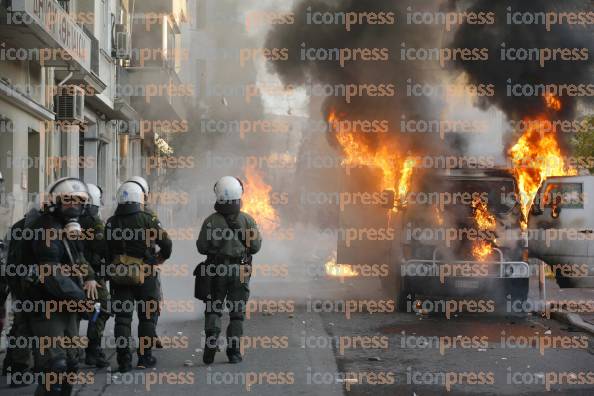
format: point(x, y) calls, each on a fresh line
point(580, 301)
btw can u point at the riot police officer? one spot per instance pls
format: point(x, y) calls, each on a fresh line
point(59, 265)
point(95, 251)
point(18, 355)
point(131, 235)
point(141, 181)
point(228, 237)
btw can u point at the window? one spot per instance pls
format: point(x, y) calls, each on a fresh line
point(570, 194)
point(65, 4)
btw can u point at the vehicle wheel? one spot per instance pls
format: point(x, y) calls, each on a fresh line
point(562, 281)
point(517, 289)
point(389, 285)
point(404, 296)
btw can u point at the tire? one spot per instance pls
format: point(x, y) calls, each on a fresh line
point(517, 289)
point(404, 295)
point(389, 285)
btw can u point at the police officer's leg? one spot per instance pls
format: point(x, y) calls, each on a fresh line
point(71, 331)
point(123, 308)
point(53, 359)
point(18, 354)
point(147, 296)
point(212, 316)
point(158, 313)
point(237, 299)
point(94, 353)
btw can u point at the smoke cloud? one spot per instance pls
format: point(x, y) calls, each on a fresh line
point(309, 37)
point(507, 36)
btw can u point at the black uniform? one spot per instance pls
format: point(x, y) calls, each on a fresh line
point(18, 354)
point(128, 234)
point(52, 252)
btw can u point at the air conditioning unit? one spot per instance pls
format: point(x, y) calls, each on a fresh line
point(70, 103)
point(123, 39)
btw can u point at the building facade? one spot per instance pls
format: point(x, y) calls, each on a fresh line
point(71, 101)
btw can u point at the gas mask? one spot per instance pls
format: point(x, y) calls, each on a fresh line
point(92, 210)
point(70, 214)
point(69, 197)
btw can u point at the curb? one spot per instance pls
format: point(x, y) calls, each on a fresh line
point(573, 319)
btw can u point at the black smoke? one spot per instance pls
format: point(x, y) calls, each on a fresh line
point(298, 72)
point(527, 36)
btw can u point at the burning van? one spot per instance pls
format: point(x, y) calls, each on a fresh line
point(455, 233)
point(462, 236)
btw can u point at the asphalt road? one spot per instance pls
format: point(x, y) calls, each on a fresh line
point(300, 342)
point(364, 354)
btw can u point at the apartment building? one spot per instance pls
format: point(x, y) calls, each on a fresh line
point(69, 104)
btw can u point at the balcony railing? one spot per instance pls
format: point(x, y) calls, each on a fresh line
point(52, 27)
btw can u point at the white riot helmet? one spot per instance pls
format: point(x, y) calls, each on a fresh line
point(141, 181)
point(228, 188)
point(130, 192)
point(68, 197)
point(95, 193)
point(68, 188)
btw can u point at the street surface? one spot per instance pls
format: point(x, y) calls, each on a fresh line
point(304, 344)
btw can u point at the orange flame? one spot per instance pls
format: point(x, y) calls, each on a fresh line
point(405, 177)
point(485, 221)
point(438, 215)
point(537, 156)
point(397, 174)
point(339, 270)
point(481, 250)
point(483, 218)
point(552, 102)
point(256, 201)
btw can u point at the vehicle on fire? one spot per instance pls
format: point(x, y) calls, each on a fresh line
point(456, 234)
point(561, 229)
point(462, 237)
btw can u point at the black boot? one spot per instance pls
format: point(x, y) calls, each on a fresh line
point(95, 357)
point(7, 363)
point(147, 360)
point(124, 362)
point(234, 356)
point(15, 375)
point(210, 348)
point(66, 389)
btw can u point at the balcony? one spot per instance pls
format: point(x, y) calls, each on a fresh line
point(155, 62)
point(46, 26)
point(152, 11)
point(158, 93)
point(122, 103)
